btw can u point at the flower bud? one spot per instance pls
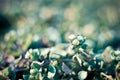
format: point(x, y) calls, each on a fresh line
point(71, 37)
point(75, 42)
point(80, 37)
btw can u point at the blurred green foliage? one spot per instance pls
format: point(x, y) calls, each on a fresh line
point(98, 20)
point(46, 24)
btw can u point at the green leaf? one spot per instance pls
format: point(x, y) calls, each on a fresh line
point(2, 77)
point(33, 71)
point(66, 69)
point(12, 75)
point(0, 59)
point(35, 54)
point(79, 59)
point(82, 75)
point(117, 71)
point(26, 77)
point(31, 77)
point(7, 70)
point(36, 65)
point(51, 71)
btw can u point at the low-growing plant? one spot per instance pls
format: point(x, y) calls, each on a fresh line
point(64, 62)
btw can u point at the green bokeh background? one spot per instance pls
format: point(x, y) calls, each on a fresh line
point(45, 23)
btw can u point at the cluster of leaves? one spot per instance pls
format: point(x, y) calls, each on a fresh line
point(87, 17)
point(68, 62)
point(95, 66)
point(31, 66)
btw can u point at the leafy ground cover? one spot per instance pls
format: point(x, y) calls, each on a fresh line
point(71, 61)
point(35, 42)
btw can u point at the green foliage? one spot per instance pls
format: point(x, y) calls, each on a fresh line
point(61, 63)
point(38, 49)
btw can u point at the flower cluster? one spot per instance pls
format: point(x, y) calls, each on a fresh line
point(76, 39)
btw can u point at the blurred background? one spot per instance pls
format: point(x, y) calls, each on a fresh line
point(28, 24)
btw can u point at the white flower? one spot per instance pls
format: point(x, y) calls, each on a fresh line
point(75, 42)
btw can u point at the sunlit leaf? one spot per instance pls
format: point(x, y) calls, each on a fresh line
point(82, 75)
